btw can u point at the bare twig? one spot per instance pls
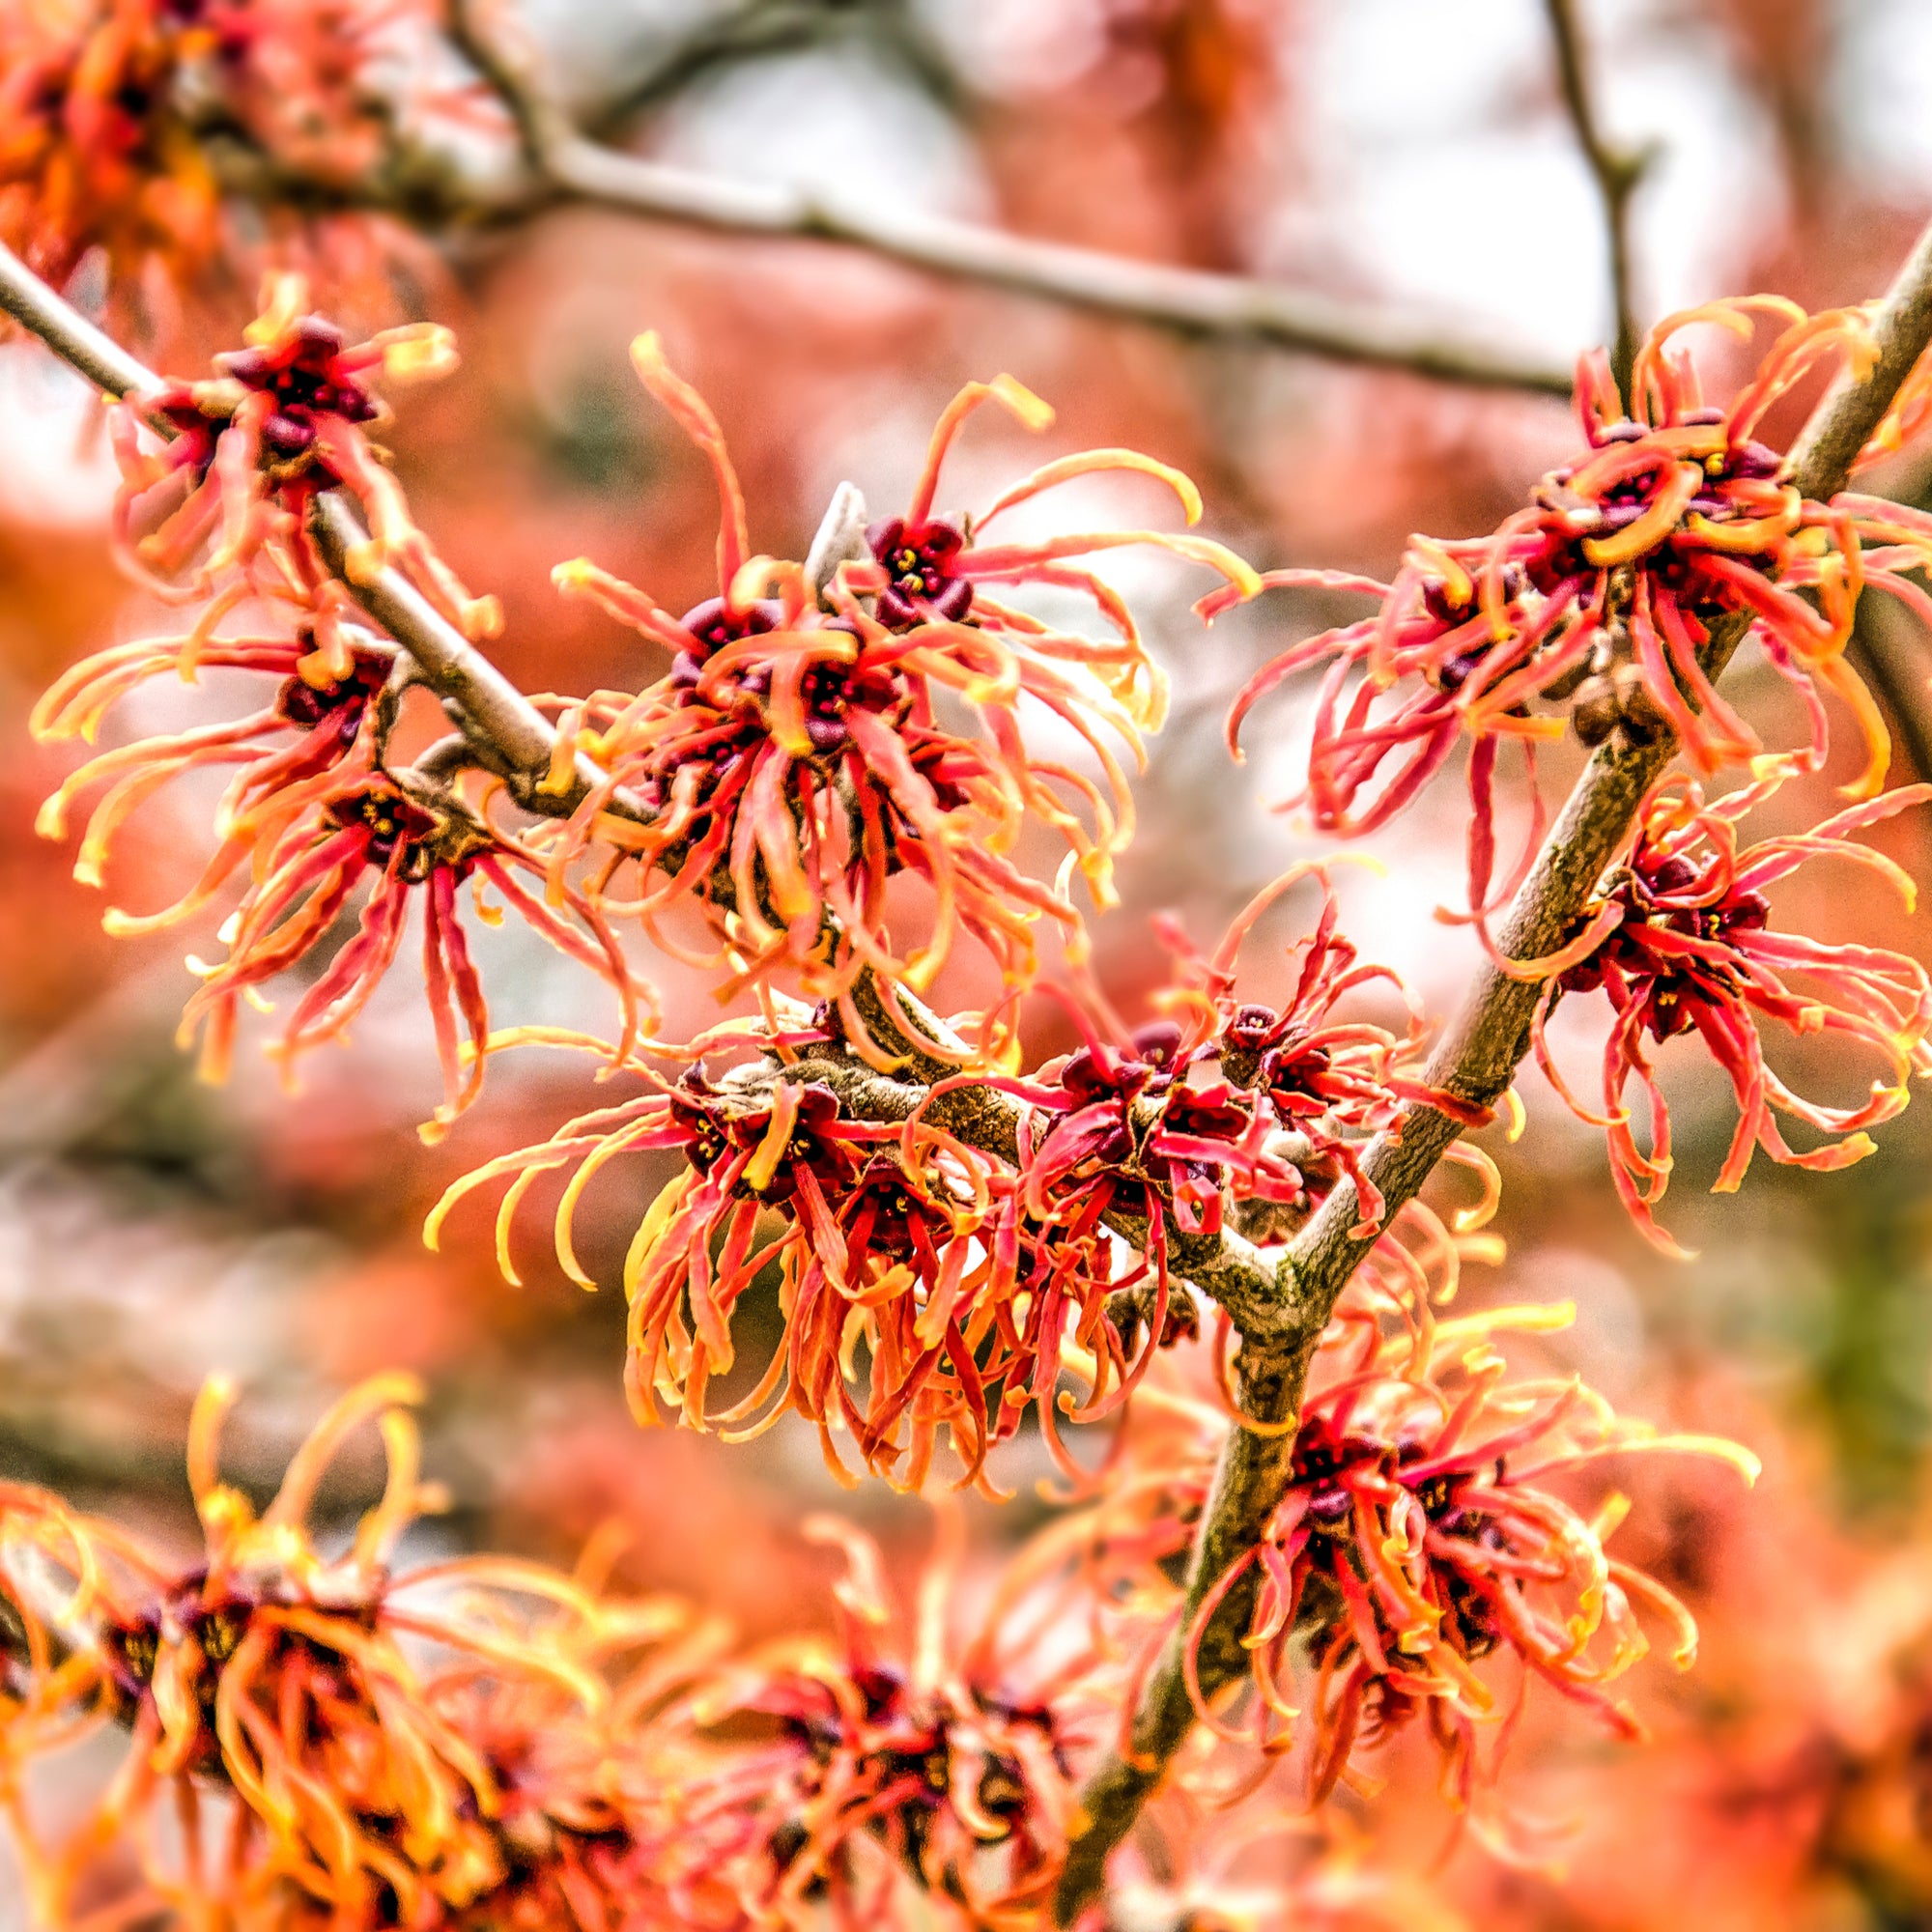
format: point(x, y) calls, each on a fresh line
point(1474, 1062)
point(69, 335)
point(1190, 300)
point(1616, 171)
point(757, 29)
point(1900, 677)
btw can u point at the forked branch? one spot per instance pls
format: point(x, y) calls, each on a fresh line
point(1617, 172)
point(1280, 1309)
point(1190, 301)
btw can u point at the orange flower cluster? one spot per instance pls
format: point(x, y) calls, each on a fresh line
point(482, 1741)
point(223, 475)
point(104, 105)
point(966, 1276)
point(1423, 1530)
point(340, 1746)
point(798, 756)
point(1597, 600)
point(1679, 940)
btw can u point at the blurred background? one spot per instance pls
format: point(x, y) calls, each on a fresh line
point(1407, 153)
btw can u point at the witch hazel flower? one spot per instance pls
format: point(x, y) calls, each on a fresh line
point(928, 1287)
point(218, 477)
point(326, 712)
point(929, 570)
point(937, 1763)
point(886, 1332)
point(314, 813)
point(1680, 941)
point(1424, 1534)
point(1597, 600)
point(796, 763)
point(312, 845)
point(1330, 1080)
point(396, 1748)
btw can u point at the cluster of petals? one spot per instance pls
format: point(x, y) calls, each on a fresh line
point(913, 1771)
point(778, 1172)
point(312, 813)
point(218, 477)
point(966, 1277)
point(884, 1235)
point(801, 752)
point(317, 1741)
point(1679, 940)
point(1597, 602)
point(1424, 1528)
point(337, 1745)
point(312, 819)
point(103, 106)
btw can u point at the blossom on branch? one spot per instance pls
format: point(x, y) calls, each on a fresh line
point(975, 1283)
point(316, 820)
point(325, 715)
point(797, 759)
point(218, 477)
point(1423, 1530)
point(938, 572)
point(1599, 599)
point(1679, 940)
point(870, 1248)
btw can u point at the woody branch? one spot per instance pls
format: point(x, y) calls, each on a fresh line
point(568, 167)
point(508, 735)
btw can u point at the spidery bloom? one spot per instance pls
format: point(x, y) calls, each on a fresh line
point(423, 1750)
point(869, 1241)
point(1330, 1082)
point(942, 1763)
point(1598, 598)
point(973, 1280)
point(1424, 1530)
point(310, 846)
point(933, 572)
point(1679, 940)
point(218, 477)
point(798, 757)
point(896, 1237)
point(326, 714)
point(1228, 1111)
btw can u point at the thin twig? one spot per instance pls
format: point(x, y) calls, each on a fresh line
point(1900, 677)
point(1475, 1062)
point(1616, 171)
point(1190, 300)
point(69, 334)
